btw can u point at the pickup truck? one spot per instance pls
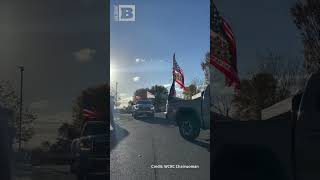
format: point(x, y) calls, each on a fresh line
point(89, 151)
point(289, 133)
point(290, 130)
point(143, 107)
point(190, 115)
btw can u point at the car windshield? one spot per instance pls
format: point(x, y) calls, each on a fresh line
point(144, 102)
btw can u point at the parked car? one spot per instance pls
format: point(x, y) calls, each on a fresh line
point(89, 151)
point(143, 107)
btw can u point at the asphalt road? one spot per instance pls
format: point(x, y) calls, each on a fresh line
point(43, 172)
point(138, 144)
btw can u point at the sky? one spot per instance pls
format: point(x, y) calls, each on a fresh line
point(63, 46)
point(261, 26)
point(141, 51)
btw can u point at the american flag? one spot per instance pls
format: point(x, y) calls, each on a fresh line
point(177, 73)
point(150, 95)
point(223, 48)
point(89, 114)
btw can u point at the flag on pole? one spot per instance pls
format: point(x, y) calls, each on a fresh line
point(172, 92)
point(223, 48)
point(89, 114)
point(177, 73)
point(150, 95)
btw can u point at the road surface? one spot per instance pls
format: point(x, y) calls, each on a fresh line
point(42, 172)
point(139, 144)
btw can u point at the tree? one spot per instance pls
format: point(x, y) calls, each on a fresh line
point(66, 133)
point(205, 65)
point(10, 100)
point(289, 74)
point(190, 91)
point(142, 93)
point(222, 104)
point(95, 98)
point(45, 146)
point(128, 109)
point(254, 95)
point(306, 15)
point(117, 102)
point(161, 96)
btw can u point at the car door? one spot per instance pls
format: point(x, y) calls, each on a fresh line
point(308, 132)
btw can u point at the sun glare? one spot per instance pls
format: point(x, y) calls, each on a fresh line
point(112, 73)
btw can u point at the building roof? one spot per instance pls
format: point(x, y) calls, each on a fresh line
point(277, 109)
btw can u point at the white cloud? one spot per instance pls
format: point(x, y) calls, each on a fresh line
point(136, 79)
point(167, 85)
point(123, 94)
point(139, 60)
point(124, 101)
point(84, 54)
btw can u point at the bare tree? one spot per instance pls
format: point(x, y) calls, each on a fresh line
point(290, 74)
point(306, 17)
point(222, 104)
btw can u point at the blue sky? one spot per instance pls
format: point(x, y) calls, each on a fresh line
point(161, 29)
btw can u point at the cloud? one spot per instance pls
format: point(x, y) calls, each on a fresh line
point(39, 104)
point(167, 85)
point(123, 94)
point(136, 79)
point(139, 60)
point(124, 101)
point(84, 55)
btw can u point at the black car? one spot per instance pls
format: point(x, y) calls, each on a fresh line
point(89, 152)
point(143, 107)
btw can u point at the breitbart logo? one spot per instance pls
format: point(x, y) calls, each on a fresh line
point(124, 12)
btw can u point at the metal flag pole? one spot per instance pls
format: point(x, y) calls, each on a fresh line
point(21, 103)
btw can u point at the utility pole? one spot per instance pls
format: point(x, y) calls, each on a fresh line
point(21, 101)
point(116, 101)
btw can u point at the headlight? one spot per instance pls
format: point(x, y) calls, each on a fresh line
point(85, 145)
point(152, 107)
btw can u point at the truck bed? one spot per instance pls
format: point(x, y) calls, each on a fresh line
point(273, 135)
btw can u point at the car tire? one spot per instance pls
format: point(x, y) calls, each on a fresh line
point(189, 126)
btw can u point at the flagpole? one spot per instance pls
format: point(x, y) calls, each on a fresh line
point(116, 95)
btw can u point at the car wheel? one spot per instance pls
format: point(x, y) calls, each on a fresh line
point(189, 126)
